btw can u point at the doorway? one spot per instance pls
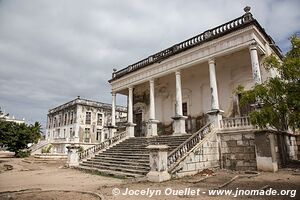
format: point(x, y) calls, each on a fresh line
point(138, 120)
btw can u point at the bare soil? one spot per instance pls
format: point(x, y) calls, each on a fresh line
point(30, 180)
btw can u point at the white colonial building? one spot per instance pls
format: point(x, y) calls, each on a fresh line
point(183, 113)
point(81, 121)
point(189, 82)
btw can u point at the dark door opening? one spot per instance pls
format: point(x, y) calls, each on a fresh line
point(138, 119)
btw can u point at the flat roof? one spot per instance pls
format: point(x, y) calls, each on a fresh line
point(86, 102)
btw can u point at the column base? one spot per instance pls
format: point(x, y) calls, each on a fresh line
point(112, 130)
point(154, 176)
point(130, 129)
point(214, 116)
point(179, 125)
point(152, 128)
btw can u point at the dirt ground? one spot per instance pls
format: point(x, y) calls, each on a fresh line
point(51, 180)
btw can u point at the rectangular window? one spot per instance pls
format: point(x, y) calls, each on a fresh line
point(98, 135)
point(88, 117)
point(100, 119)
point(59, 120)
point(71, 122)
point(54, 122)
point(58, 133)
point(64, 136)
point(105, 136)
point(65, 121)
point(184, 109)
point(71, 133)
point(86, 135)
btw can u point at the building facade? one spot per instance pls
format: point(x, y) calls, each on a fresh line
point(184, 113)
point(82, 121)
point(181, 88)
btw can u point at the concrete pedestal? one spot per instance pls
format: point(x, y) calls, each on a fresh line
point(214, 116)
point(179, 125)
point(112, 130)
point(158, 163)
point(152, 128)
point(130, 129)
point(73, 155)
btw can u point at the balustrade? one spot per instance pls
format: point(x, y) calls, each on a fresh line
point(199, 39)
point(103, 145)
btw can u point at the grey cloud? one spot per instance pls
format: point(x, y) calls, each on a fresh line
point(52, 51)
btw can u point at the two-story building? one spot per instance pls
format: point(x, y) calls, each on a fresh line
point(81, 121)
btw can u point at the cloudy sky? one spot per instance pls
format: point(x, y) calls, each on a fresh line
point(52, 51)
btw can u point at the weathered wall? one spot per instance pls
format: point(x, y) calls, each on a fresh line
point(204, 156)
point(238, 151)
point(293, 146)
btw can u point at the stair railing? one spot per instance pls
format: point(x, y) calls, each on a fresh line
point(177, 154)
point(101, 146)
point(39, 145)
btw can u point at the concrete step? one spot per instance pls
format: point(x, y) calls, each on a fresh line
point(124, 161)
point(123, 156)
point(118, 169)
point(120, 159)
point(109, 172)
point(130, 157)
point(118, 165)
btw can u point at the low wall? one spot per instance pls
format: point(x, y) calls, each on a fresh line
point(238, 150)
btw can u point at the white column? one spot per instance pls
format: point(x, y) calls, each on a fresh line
point(214, 113)
point(152, 123)
point(130, 125)
point(179, 119)
point(152, 100)
point(213, 85)
point(255, 64)
point(113, 109)
point(130, 105)
point(178, 108)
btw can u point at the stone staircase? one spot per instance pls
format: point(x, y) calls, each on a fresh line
point(129, 158)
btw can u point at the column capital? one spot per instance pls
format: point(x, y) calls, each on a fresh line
point(130, 87)
point(177, 72)
point(151, 80)
point(211, 61)
point(253, 46)
point(113, 93)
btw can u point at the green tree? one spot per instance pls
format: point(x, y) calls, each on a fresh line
point(278, 98)
point(16, 137)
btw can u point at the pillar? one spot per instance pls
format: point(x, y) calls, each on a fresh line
point(73, 155)
point(113, 109)
point(112, 127)
point(130, 124)
point(214, 113)
point(255, 64)
point(158, 163)
point(152, 123)
point(179, 119)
